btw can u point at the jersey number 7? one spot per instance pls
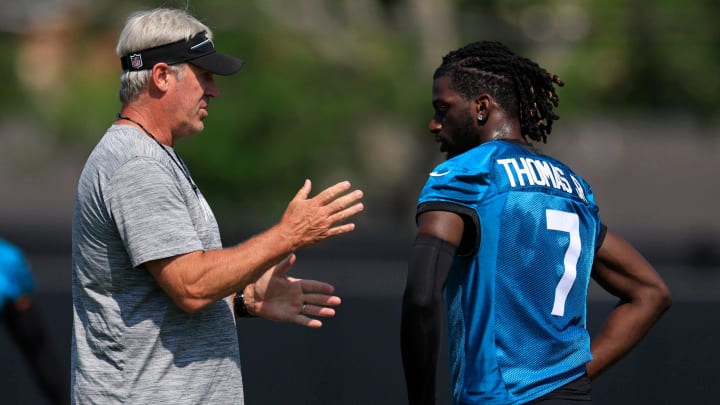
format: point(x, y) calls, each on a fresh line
point(565, 222)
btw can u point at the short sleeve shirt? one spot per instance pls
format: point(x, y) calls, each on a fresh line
point(131, 343)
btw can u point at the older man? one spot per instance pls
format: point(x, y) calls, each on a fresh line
point(155, 294)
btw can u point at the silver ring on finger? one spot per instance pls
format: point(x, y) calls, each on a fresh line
point(302, 311)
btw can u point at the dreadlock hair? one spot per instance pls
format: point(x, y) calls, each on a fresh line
point(521, 87)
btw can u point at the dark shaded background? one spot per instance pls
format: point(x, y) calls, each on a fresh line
point(355, 358)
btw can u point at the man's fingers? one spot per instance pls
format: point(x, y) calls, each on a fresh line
point(315, 286)
point(331, 193)
point(321, 300)
point(285, 265)
point(339, 230)
point(342, 216)
point(309, 322)
point(310, 221)
point(346, 213)
point(348, 200)
point(304, 191)
point(318, 310)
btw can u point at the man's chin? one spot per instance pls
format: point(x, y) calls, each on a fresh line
point(191, 130)
point(447, 150)
point(199, 125)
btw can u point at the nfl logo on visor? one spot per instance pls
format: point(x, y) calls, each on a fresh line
point(136, 61)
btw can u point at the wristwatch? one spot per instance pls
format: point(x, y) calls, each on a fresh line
point(241, 310)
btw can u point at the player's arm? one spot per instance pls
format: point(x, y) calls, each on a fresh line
point(624, 272)
point(431, 256)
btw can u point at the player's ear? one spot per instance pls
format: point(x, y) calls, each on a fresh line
point(481, 105)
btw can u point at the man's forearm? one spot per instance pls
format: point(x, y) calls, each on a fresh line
point(421, 324)
point(625, 327)
point(197, 279)
point(419, 340)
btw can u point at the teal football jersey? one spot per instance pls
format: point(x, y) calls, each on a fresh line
point(15, 277)
point(517, 291)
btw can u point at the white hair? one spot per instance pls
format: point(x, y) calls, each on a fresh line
point(147, 29)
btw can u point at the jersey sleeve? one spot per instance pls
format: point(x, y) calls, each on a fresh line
point(150, 212)
point(455, 189)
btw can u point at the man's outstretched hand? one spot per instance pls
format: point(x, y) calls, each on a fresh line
point(307, 221)
point(277, 297)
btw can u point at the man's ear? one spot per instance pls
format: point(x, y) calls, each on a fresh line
point(160, 77)
point(483, 107)
point(482, 103)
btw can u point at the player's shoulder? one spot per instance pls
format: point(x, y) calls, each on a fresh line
point(567, 168)
point(479, 155)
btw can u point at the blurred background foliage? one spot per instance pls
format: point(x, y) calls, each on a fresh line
point(340, 89)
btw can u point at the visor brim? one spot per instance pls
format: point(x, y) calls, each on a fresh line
point(218, 63)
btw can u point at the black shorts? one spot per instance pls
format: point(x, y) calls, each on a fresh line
point(573, 393)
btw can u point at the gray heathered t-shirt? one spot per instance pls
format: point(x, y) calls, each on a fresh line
point(131, 344)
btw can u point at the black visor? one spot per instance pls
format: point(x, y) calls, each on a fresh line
point(198, 50)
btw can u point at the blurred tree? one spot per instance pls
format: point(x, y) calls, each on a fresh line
point(337, 89)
